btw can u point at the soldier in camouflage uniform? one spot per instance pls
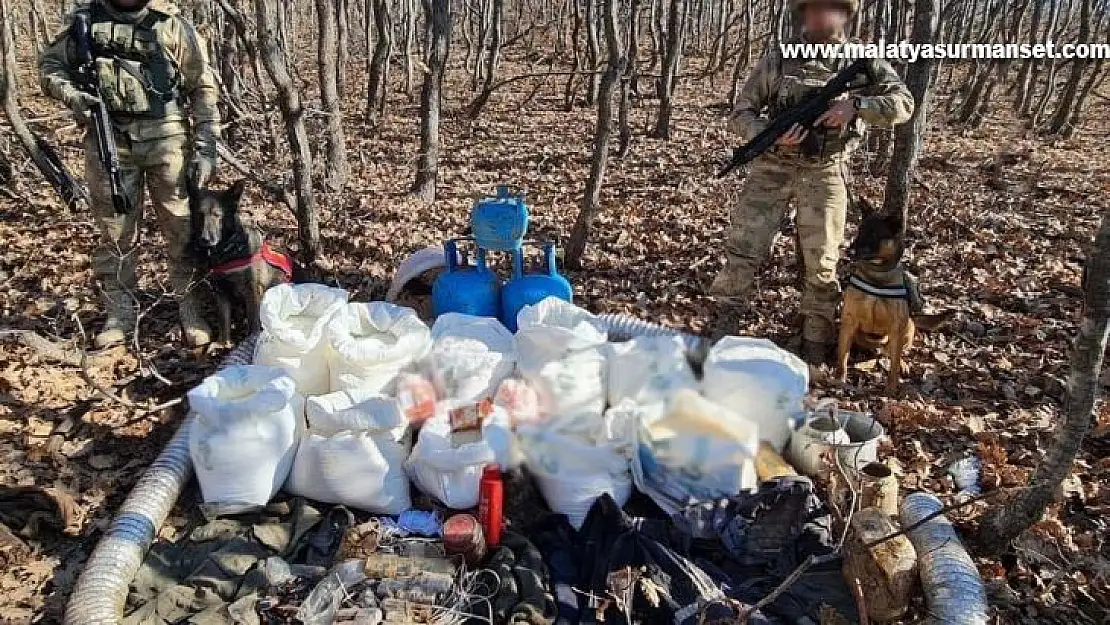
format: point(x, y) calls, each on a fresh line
point(805, 167)
point(151, 66)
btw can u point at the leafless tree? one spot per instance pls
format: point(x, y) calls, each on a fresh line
point(270, 40)
point(438, 15)
point(591, 200)
point(1005, 522)
point(909, 137)
point(672, 56)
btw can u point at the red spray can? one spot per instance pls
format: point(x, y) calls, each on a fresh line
point(491, 494)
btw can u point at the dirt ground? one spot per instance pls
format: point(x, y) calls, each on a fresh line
point(1000, 225)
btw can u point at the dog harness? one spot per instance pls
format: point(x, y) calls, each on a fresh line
point(887, 292)
point(267, 254)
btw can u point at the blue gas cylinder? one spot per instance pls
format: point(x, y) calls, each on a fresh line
point(468, 290)
point(527, 289)
point(499, 223)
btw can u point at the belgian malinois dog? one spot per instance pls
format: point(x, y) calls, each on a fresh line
point(881, 299)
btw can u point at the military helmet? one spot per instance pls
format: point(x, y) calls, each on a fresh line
point(851, 5)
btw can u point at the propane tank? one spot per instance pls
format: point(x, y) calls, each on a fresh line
point(499, 223)
point(468, 290)
point(527, 289)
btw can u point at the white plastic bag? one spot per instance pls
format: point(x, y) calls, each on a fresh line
point(452, 473)
point(572, 472)
point(372, 343)
point(470, 356)
point(560, 351)
point(245, 435)
point(762, 382)
point(648, 369)
point(519, 399)
point(352, 453)
point(294, 317)
point(689, 449)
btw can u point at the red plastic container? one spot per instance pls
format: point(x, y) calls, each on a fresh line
point(491, 496)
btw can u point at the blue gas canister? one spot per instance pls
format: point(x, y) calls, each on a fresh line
point(463, 289)
point(527, 289)
point(499, 223)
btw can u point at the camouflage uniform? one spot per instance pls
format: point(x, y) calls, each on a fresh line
point(151, 64)
point(812, 175)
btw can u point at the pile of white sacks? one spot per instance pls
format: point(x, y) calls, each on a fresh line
point(347, 402)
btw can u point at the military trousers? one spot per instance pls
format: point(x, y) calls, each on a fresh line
point(820, 196)
point(158, 168)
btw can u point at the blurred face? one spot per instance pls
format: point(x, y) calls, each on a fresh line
point(129, 5)
point(824, 19)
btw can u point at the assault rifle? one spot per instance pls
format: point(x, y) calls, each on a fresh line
point(855, 76)
point(99, 118)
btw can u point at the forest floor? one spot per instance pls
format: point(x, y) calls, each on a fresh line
point(1001, 221)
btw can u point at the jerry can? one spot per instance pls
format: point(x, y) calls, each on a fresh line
point(464, 289)
point(526, 289)
point(499, 223)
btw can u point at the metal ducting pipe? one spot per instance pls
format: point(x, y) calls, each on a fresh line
point(624, 327)
point(100, 594)
point(954, 590)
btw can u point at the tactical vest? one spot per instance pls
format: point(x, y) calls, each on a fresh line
point(138, 77)
point(797, 79)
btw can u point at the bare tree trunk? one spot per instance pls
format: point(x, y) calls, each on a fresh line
point(568, 90)
point(289, 99)
point(1081, 101)
point(1025, 75)
point(1062, 117)
point(742, 63)
point(343, 23)
point(379, 65)
point(593, 52)
point(493, 60)
point(407, 36)
point(628, 79)
point(438, 15)
point(591, 201)
point(909, 137)
point(335, 175)
point(44, 157)
point(1003, 523)
point(676, 21)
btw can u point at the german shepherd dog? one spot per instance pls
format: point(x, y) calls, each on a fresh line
point(881, 299)
point(239, 263)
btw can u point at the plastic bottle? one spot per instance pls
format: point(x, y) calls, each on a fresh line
point(491, 494)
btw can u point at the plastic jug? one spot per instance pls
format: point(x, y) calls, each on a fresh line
point(499, 223)
point(526, 289)
point(468, 290)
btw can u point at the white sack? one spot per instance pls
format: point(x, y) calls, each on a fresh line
point(648, 369)
point(519, 399)
point(757, 379)
point(560, 351)
point(245, 435)
point(372, 343)
point(689, 449)
point(352, 453)
point(572, 472)
point(452, 474)
point(470, 356)
point(294, 317)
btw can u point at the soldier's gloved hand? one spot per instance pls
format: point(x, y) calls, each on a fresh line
point(80, 103)
point(202, 169)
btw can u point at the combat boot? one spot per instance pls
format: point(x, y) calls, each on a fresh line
point(194, 328)
point(816, 353)
point(727, 321)
point(120, 320)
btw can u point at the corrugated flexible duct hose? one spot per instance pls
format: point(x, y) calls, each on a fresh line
point(953, 588)
point(100, 594)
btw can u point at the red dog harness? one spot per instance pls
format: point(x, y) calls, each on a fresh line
point(267, 255)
